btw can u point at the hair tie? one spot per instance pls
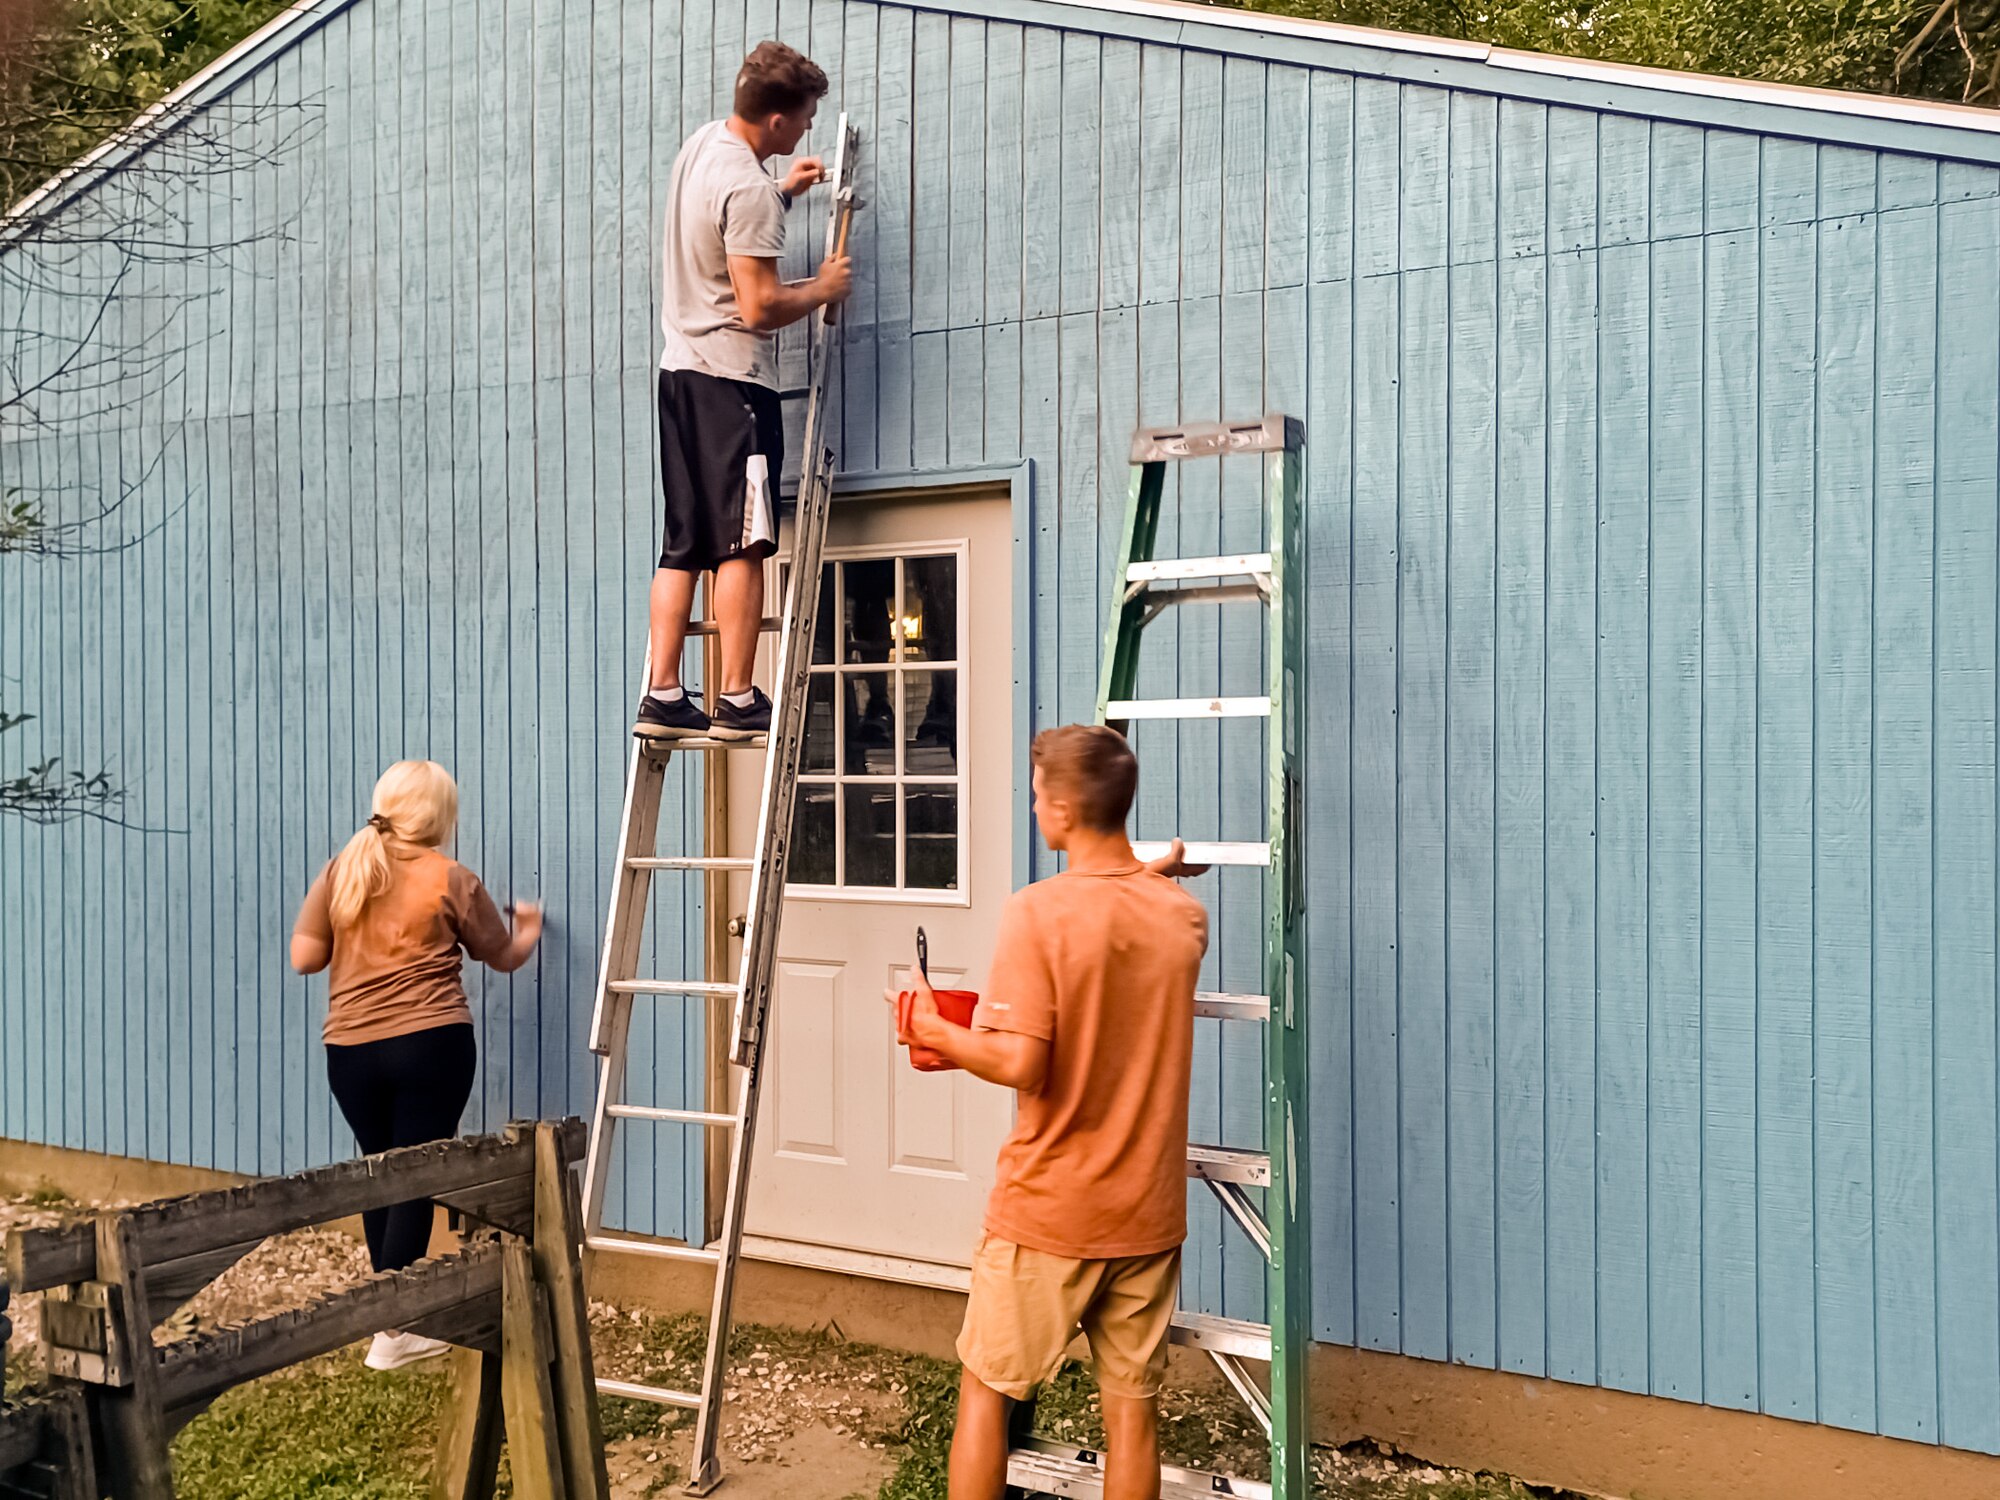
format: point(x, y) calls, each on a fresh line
point(380, 824)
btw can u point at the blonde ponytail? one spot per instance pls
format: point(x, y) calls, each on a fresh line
point(415, 802)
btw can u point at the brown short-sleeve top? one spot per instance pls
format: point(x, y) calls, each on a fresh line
point(397, 969)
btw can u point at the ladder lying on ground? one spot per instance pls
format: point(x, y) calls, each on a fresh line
point(1146, 587)
point(620, 986)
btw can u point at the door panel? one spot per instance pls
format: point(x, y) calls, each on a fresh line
point(904, 819)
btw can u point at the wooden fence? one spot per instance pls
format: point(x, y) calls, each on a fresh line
point(511, 1298)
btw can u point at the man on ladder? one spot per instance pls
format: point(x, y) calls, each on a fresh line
point(721, 424)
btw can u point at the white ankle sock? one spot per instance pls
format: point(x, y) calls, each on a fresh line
point(740, 700)
point(667, 694)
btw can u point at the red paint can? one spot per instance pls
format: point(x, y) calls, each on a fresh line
point(956, 1006)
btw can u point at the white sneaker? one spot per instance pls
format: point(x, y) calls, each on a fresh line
point(392, 1351)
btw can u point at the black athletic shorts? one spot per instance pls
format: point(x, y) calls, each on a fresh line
point(722, 445)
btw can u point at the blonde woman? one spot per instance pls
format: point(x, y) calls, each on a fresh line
point(391, 915)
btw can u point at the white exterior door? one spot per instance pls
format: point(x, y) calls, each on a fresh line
point(904, 818)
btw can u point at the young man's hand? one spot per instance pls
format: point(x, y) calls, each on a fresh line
point(1173, 864)
point(806, 172)
point(926, 1028)
point(835, 279)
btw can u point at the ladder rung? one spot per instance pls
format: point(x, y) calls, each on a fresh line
point(1222, 1335)
point(1227, 1164)
point(708, 627)
point(1046, 1468)
point(659, 1395)
point(1210, 853)
point(1189, 708)
point(1218, 1007)
point(664, 747)
point(696, 987)
point(702, 1117)
point(1241, 565)
point(655, 1248)
point(687, 862)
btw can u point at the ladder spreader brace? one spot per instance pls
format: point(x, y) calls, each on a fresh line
point(1144, 588)
point(619, 985)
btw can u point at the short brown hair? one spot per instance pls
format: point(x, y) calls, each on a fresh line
point(1092, 768)
point(777, 80)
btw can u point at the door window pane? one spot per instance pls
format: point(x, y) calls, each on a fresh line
point(813, 835)
point(870, 727)
point(870, 814)
point(929, 624)
point(867, 609)
point(930, 850)
point(930, 723)
point(818, 752)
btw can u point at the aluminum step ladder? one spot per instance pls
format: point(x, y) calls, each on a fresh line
point(1280, 1230)
point(620, 986)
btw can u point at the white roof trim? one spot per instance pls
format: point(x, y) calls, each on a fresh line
point(275, 34)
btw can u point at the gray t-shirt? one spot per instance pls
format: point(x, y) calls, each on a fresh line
point(721, 203)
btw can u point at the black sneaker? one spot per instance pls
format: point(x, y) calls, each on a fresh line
point(733, 723)
point(679, 719)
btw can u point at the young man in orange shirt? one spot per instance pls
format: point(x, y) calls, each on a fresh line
point(1089, 1015)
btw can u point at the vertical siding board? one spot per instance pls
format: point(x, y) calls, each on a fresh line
point(1785, 1249)
point(1678, 181)
point(1624, 604)
point(1730, 181)
point(1160, 186)
point(1289, 147)
point(1041, 207)
point(1330, 208)
point(1903, 833)
point(930, 374)
point(1906, 181)
point(1006, 149)
point(1000, 403)
point(1789, 192)
point(1520, 770)
point(1729, 669)
point(1423, 590)
point(1570, 957)
point(1523, 177)
point(1201, 179)
point(1573, 148)
point(930, 175)
point(1238, 912)
point(1425, 207)
point(1673, 793)
point(893, 155)
point(1473, 185)
point(1960, 181)
point(1964, 1062)
point(1199, 528)
point(1329, 779)
point(1082, 175)
point(860, 85)
point(965, 389)
point(966, 283)
point(1374, 896)
point(1119, 174)
point(1846, 181)
point(1041, 441)
point(1244, 181)
point(1843, 669)
point(1470, 785)
point(1624, 179)
point(1076, 588)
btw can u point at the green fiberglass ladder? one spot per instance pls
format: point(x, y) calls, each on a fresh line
point(620, 986)
point(1145, 588)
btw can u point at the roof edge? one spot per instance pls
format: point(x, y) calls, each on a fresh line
point(1975, 130)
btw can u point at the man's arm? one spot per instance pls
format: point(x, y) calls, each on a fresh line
point(1011, 1059)
point(768, 304)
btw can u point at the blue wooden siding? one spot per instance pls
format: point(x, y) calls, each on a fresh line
point(1652, 492)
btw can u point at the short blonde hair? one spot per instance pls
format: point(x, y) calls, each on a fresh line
point(415, 802)
point(1091, 767)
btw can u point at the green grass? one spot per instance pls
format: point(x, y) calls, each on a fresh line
point(333, 1428)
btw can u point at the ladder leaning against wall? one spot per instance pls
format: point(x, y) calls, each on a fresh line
point(621, 987)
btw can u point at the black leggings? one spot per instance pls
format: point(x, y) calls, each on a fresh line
point(403, 1091)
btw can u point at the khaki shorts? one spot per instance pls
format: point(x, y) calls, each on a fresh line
point(1027, 1305)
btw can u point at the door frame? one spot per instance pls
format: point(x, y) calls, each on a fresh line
point(943, 484)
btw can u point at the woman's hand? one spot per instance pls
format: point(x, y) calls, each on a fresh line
point(527, 917)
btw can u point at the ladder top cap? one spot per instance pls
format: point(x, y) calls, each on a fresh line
point(1274, 432)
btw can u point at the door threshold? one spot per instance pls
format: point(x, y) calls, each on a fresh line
point(928, 1273)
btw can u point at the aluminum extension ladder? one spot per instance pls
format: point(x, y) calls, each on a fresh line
point(620, 987)
point(1146, 587)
